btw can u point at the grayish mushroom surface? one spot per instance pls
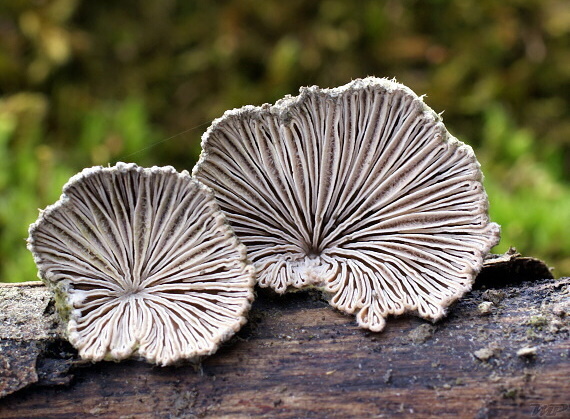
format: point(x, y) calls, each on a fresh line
point(143, 264)
point(359, 191)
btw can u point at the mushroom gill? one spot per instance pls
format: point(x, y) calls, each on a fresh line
point(359, 191)
point(143, 264)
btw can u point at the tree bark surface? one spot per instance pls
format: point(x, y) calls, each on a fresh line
point(500, 352)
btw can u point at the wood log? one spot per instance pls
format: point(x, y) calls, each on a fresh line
point(501, 352)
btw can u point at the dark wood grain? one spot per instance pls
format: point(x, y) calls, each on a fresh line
point(297, 357)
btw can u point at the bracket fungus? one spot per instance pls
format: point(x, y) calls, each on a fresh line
point(359, 191)
point(143, 264)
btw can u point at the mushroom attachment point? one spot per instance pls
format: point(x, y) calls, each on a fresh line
point(359, 191)
point(143, 264)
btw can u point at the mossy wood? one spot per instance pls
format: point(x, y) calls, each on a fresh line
point(297, 357)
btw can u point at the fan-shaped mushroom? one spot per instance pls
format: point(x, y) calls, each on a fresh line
point(143, 263)
point(359, 191)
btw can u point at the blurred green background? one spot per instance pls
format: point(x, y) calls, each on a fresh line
point(87, 83)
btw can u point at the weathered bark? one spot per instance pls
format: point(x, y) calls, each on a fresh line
point(297, 357)
point(29, 332)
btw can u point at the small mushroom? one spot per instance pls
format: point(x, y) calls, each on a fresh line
point(359, 191)
point(143, 264)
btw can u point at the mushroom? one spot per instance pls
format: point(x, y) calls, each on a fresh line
point(143, 264)
point(359, 191)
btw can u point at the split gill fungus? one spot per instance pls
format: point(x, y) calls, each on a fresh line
point(143, 264)
point(358, 191)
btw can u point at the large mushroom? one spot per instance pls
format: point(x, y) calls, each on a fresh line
point(143, 264)
point(359, 191)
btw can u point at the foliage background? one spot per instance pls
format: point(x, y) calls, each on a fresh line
point(87, 83)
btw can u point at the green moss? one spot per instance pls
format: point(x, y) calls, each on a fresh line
point(512, 393)
point(62, 304)
point(538, 321)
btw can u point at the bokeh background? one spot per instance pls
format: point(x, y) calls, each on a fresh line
point(87, 83)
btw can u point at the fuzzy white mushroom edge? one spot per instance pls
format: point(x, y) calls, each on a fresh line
point(359, 191)
point(143, 264)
